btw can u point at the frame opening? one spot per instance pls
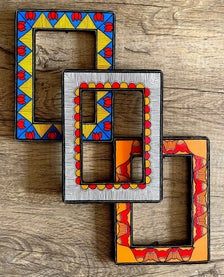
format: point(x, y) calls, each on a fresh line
point(129, 160)
point(56, 50)
point(97, 162)
point(88, 106)
point(169, 222)
point(128, 113)
point(137, 169)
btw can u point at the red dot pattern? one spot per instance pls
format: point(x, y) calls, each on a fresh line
point(77, 149)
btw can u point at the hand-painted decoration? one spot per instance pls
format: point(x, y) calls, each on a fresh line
point(148, 145)
point(198, 250)
point(28, 22)
point(77, 133)
point(125, 151)
point(102, 129)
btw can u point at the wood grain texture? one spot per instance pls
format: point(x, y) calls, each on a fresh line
point(41, 236)
point(128, 114)
point(97, 162)
point(167, 222)
point(55, 52)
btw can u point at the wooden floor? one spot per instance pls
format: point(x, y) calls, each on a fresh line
point(39, 234)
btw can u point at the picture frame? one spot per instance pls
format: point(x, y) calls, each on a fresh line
point(199, 251)
point(28, 22)
point(75, 83)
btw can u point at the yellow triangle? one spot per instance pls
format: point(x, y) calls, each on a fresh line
point(87, 23)
point(58, 127)
point(102, 40)
point(42, 22)
point(26, 111)
point(101, 113)
point(64, 23)
point(27, 39)
point(26, 63)
point(102, 63)
point(100, 94)
point(27, 87)
point(87, 129)
point(41, 128)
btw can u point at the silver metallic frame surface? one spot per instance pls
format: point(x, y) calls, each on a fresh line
point(150, 79)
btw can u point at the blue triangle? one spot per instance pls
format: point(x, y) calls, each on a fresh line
point(24, 123)
point(54, 21)
point(101, 126)
point(20, 18)
point(102, 53)
point(27, 51)
point(106, 16)
point(52, 130)
point(30, 131)
point(101, 102)
point(30, 21)
point(27, 99)
point(99, 130)
point(26, 76)
point(102, 27)
point(75, 23)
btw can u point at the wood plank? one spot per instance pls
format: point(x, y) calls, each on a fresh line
point(41, 236)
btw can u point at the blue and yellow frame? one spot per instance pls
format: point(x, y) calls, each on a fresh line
point(27, 23)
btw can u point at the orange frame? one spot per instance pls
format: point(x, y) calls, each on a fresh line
point(198, 251)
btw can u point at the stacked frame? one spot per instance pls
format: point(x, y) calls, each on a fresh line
point(76, 133)
point(28, 22)
point(198, 251)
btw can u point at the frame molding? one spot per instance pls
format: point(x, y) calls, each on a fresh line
point(28, 22)
point(199, 250)
point(112, 82)
point(113, 88)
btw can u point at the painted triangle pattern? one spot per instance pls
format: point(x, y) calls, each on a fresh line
point(52, 133)
point(22, 125)
point(53, 17)
point(30, 133)
point(102, 129)
point(102, 23)
point(22, 100)
point(22, 76)
point(87, 23)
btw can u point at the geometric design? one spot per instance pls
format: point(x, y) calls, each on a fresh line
point(26, 63)
point(26, 111)
point(102, 128)
point(86, 23)
point(27, 39)
point(101, 113)
point(198, 250)
point(102, 23)
point(27, 88)
point(102, 62)
point(103, 41)
point(41, 129)
point(42, 22)
point(63, 23)
point(125, 151)
point(87, 130)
